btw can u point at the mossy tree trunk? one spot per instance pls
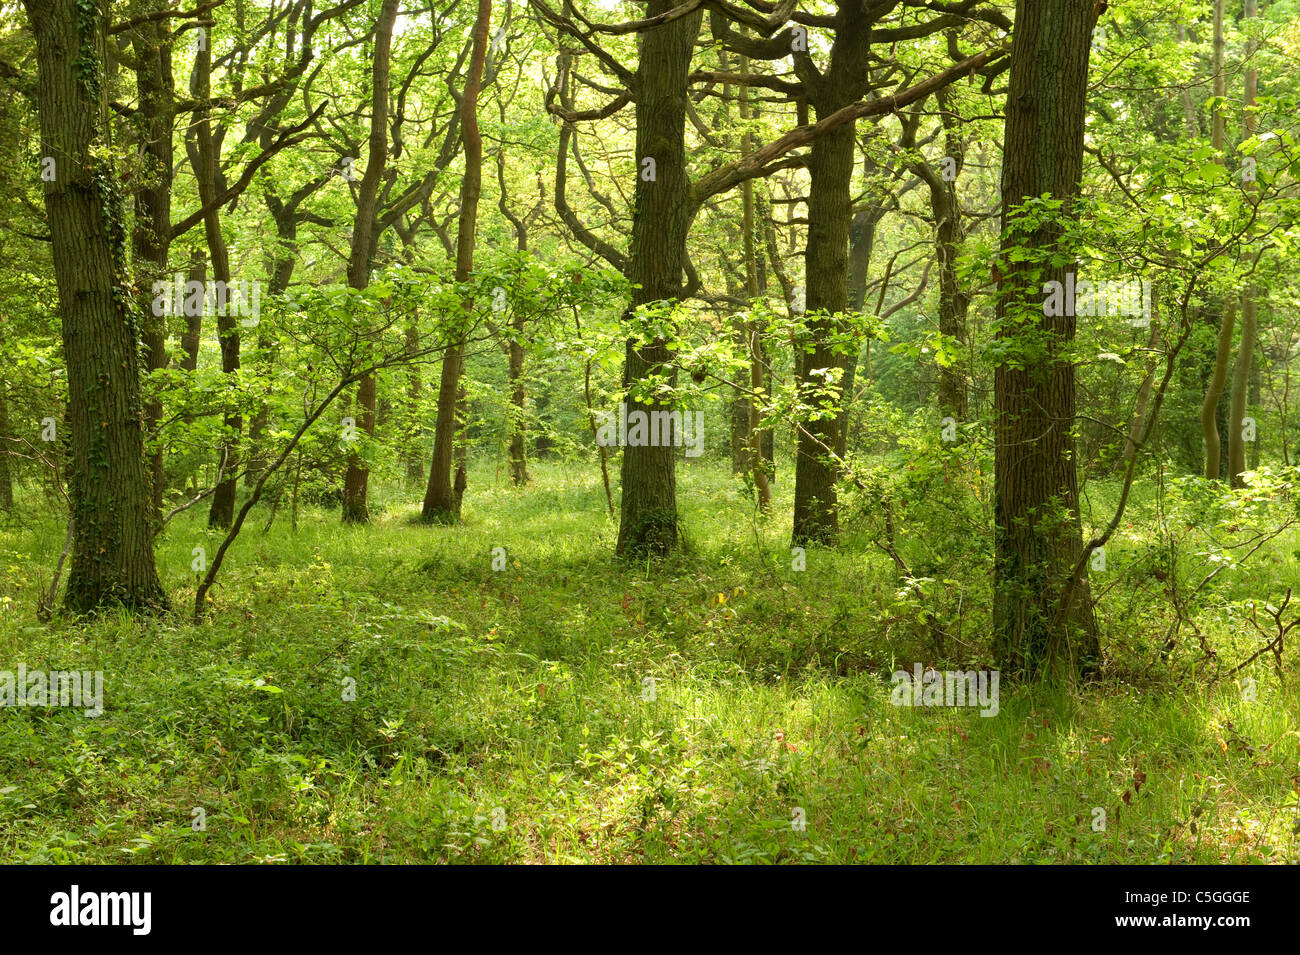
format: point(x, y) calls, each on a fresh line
point(443, 496)
point(151, 236)
point(830, 215)
point(661, 218)
point(356, 482)
point(112, 558)
point(1037, 535)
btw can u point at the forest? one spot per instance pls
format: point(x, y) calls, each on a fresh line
point(671, 431)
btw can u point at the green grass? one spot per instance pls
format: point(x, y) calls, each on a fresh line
point(523, 689)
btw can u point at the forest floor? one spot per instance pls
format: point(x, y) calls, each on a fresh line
point(571, 708)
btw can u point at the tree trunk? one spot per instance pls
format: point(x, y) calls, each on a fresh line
point(112, 529)
point(6, 477)
point(1138, 422)
point(461, 478)
point(830, 213)
point(816, 517)
point(414, 389)
point(948, 236)
point(1214, 391)
point(1037, 537)
point(1241, 371)
point(442, 498)
point(518, 405)
point(753, 330)
point(1254, 398)
point(1240, 391)
point(766, 436)
point(661, 219)
point(739, 410)
point(515, 354)
point(1209, 408)
point(357, 480)
point(281, 261)
point(151, 236)
point(862, 240)
point(190, 338)
point(440, 494)
point(205, 159)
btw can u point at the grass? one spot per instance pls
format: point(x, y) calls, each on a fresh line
point(509, 716)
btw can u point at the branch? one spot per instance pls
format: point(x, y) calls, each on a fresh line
point(164, 15)
point(288, 137)
point(756, 163)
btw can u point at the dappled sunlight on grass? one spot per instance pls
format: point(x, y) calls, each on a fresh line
point(574, 708)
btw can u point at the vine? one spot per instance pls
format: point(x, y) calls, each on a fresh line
point(87, 62)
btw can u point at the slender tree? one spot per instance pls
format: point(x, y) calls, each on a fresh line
point(442, 499)
point(1241, 370)
point(355, 509)
point(1228, 317)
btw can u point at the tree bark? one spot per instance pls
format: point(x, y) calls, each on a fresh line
point(661, 219)
point(151, 235)
point(356, 482)
point(830, 170)
point(190, 338)
point(1037, 537)
point(518, 406)
point(6, 476)
point(1214, 391)
point(945, 207)
point(1241, 371)
point(442, 498)
point(862, 240)
point(1138, 422)
point(414, 390)
point(514, 347)
point(739, 409)
point(753, 330)
point(112, 537)
point(206, 160)
point(1228, 318)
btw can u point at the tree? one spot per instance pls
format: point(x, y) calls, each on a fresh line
point(830, 173)
point(355, 509)
point(1037, 534)
point(662, 212)
point(442, 498)
point(657, 254)
point(112, 526)
point(151, 234)
point(835, 94)
point(945, 207)
point(6, 477)
point(753, 330)
point(1241, 370)
point(205, 156)
point(1228, 318)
